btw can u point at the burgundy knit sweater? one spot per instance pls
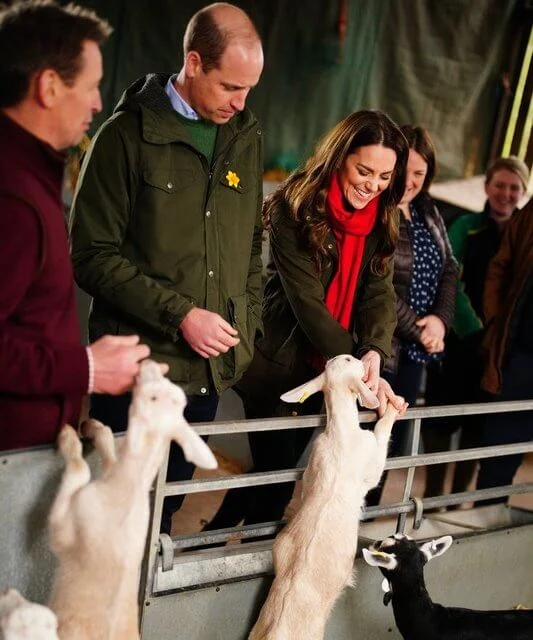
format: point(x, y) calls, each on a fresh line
point(44, 370)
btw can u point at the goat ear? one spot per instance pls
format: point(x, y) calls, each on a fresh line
point(437, 547)
point(366, 397)
point(381, 559)
point(301, 393)
point(194, 448)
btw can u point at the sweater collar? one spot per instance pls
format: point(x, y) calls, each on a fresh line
point(31, 150)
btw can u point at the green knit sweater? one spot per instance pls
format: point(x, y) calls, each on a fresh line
point(203, 134)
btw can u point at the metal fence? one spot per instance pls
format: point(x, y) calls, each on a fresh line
point(161, 550)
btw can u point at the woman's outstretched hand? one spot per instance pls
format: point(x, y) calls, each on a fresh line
point(372, 362)
point(385, 395)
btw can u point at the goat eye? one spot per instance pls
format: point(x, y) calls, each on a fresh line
point(153, 398)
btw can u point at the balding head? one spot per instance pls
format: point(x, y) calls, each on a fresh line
point(223, 61)
point(212, 29)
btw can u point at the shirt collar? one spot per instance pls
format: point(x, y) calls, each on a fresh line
point(178, 103)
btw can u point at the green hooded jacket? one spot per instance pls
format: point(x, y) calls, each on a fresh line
point(155, 231)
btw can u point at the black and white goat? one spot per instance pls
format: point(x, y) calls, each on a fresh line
point(402, 561)
point(314, 554)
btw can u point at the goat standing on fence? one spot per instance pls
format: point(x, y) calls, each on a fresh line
point(402, 561)
point(98, 529)
point(314, 553)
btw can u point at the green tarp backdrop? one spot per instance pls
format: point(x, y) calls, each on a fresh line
point(435, 63)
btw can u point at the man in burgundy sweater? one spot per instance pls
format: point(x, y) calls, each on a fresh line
point(50, 70)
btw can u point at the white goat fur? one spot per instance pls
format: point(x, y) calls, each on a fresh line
point(23, 620)
point(98, 529)
point(314, 554)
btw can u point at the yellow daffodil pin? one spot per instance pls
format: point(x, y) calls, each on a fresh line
point(233, 179)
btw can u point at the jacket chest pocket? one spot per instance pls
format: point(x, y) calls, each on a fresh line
point(237, 181)
point(235, 198)
point(168, 182)
point(165, 207)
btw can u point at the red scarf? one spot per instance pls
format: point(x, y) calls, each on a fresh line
point(350, 228)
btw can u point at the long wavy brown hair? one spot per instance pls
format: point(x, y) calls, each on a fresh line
point(305, 190)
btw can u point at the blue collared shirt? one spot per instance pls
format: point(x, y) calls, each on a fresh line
point(178, 103)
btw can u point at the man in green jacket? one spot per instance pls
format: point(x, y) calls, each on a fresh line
point(166, 220)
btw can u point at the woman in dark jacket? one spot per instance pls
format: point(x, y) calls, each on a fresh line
point(333, 227)
point(425, 273)
point(425, 281)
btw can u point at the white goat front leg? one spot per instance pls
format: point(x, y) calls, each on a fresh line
point(295, 503)
point(382, 433)
point(103, 441)
point(194, 448)
point(76, 475)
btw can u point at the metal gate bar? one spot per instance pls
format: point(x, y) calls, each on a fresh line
point(402, 509)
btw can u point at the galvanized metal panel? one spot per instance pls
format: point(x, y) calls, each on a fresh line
point(490, 570)
point(238, 561)
point(213, 566)
point(28, 484)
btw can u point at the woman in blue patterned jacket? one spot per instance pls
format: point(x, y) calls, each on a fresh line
point(425, 281)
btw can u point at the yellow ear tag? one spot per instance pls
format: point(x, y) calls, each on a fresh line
point(381, 553)
point(304, 397)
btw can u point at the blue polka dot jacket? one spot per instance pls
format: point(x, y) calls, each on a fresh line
point(425, 277)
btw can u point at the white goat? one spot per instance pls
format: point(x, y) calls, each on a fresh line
point(314, 554)
point(402, 561)
point(98, 529)
point(23, 620)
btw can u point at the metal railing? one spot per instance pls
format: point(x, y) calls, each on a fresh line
point(409, 503)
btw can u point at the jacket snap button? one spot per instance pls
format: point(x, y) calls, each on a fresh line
point(203, 390)
point(169, 185)
point(210, 274)
point(208, 213)
point(330, 246)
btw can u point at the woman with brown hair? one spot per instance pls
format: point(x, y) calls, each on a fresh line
point(333, 227)
point(425, 281)
point(425, 273)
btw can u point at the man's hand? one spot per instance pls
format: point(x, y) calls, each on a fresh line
point(208, 333)
point(385, 395)
point(372, 362)
point(116, 363)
